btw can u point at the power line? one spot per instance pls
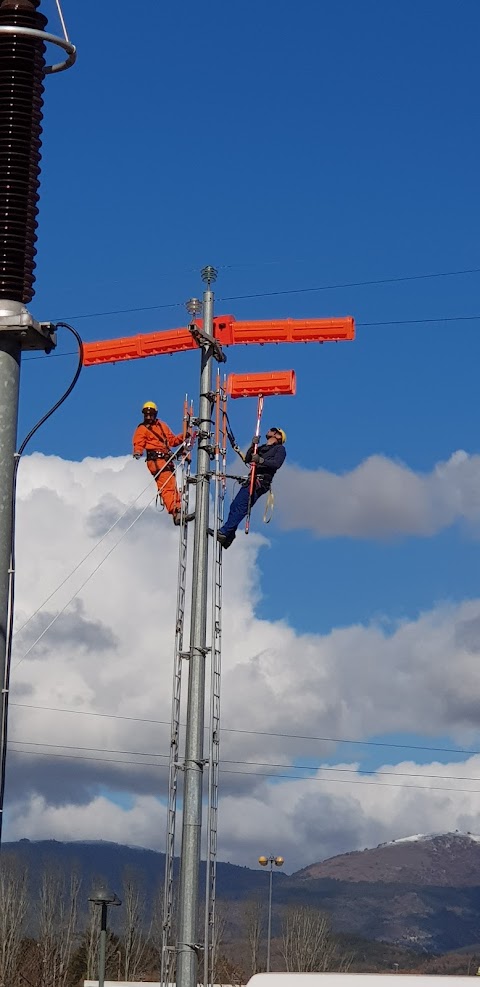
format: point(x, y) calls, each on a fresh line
point(431, 320)
point(84, 559)
point(81, 757)
point(100, 750)
point(414, 322)
point(97, 567)
point(352, 284)
point(262, 774)
point(257, 764)
point(354, 771)
point(284, 291)
point(256, 733)
point(87, 712)
point(352, 781)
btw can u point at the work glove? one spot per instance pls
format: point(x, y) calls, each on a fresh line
point(137, 455)
point(255, 440)
point(258, 460)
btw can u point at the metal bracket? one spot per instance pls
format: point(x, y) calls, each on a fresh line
point(203, 339)
point(211, 452)
point(31, 335)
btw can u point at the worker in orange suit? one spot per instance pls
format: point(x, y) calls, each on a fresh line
point(156, 439)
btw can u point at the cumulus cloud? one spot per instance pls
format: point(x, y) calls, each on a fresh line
point(77, 775)
point(380, 498)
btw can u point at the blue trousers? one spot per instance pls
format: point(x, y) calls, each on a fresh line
point(238, 509)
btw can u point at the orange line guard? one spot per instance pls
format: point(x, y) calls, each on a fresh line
point(267, 385)
point(227, 330)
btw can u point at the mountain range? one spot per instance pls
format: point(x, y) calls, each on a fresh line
point(421, 892)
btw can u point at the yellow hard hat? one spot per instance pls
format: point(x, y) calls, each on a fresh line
point(149, 404)
point(282, 433)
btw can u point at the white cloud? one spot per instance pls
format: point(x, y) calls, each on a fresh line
point(380, 498)
point(111, 651)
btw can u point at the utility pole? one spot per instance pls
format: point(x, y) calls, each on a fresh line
point(211, 335)
point(22, 71)
point(187, 945)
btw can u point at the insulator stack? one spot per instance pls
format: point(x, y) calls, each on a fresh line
point(22, 68)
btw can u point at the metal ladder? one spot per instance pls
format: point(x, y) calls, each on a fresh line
point(167, 970)
point(220, 453)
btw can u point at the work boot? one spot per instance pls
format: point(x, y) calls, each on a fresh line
point(225, 540)
point(177, 517)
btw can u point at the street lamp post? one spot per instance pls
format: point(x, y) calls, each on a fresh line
point(263, 861)
point(103, 898)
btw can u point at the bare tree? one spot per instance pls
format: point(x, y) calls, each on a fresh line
point(254, 931)
point(156, 933)
point(217, 936)
point(13, 908)
point(219, 926)
point(92, 936)
point(308, 943)
point(134, 939)
point(58, 907)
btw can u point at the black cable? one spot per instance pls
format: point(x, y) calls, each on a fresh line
point(258, 733)
point(268, 774)
point(351, 284)
point(257, 764)
point(289, 291)
point(11, 572)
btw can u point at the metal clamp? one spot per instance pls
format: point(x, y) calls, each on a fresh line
point(31, 335)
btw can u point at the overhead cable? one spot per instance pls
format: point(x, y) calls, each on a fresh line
point(257, 733)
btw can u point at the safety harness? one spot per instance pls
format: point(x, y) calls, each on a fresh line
point(164, 453)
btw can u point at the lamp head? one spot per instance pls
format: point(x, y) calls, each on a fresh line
point(103, 896)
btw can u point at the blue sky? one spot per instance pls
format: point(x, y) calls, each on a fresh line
point(293, 148)
point(338, 145)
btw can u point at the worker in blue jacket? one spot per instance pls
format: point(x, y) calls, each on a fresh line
point(268, 459)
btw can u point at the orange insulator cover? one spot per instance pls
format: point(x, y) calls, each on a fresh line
point(269, 385)
point(291, 331)
point(133, 347)
point(226, 329)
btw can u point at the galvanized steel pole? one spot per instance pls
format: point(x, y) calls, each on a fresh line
point(22, 72)
point(102, 899)
point(10, 356)
point(279, 862)
point(187, 944)
point(269, 932)
point(102, 945)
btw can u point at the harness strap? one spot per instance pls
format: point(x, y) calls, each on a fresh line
point(152, 454)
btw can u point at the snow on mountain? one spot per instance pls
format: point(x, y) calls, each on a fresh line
point(433, 859)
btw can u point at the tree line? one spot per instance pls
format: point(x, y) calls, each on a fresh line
point(49, 933)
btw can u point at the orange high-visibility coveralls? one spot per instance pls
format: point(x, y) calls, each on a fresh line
point(157, 440)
